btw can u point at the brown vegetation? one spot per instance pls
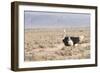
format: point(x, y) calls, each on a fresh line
point(46, 44)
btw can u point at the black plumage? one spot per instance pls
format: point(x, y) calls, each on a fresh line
point(74, 39)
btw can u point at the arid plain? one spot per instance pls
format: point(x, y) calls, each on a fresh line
point(42, 44)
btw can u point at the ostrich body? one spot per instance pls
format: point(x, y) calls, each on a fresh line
point(70, 41)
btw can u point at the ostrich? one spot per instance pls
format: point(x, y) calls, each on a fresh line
point(70, 40)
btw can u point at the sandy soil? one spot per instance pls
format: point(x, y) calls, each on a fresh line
point(46, 44)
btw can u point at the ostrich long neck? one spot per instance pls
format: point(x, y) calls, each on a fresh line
point(64, 33)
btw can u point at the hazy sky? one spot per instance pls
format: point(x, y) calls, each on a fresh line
point(55, 19)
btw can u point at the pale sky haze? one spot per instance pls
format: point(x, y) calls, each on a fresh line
point(36, 19)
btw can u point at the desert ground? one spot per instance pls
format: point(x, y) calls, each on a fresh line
point(46, 44)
